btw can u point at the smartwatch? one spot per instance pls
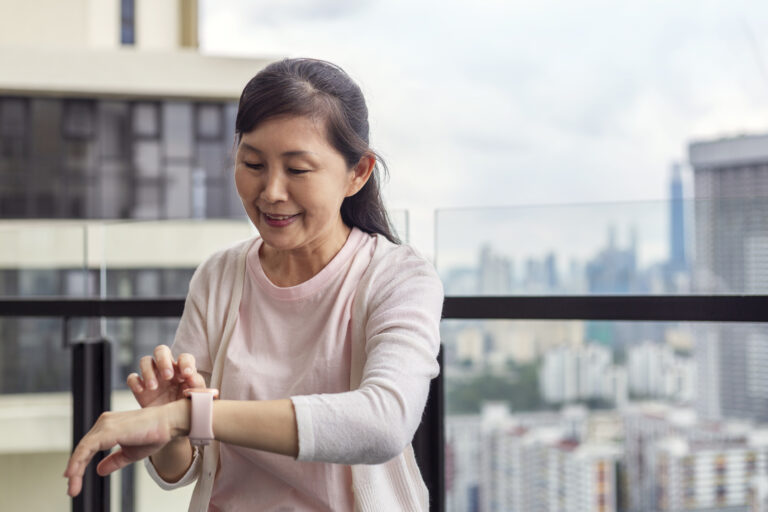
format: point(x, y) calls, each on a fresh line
point(201, 415)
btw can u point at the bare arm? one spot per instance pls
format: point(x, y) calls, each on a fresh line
point(268, 425)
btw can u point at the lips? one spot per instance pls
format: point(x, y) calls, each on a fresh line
point(272, 216)
point(277, 220)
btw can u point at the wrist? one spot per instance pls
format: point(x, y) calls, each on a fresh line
point(179, 412)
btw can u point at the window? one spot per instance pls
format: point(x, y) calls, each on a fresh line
point(127, 22)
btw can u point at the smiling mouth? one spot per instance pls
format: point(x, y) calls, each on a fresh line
point(278, 217)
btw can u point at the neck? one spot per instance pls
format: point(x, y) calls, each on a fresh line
point(294, 266)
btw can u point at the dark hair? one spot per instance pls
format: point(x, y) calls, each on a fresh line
point(319, 89)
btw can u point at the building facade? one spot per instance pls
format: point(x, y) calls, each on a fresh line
point(731, 208)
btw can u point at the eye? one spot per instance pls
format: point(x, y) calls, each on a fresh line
point(298, 171)
point(256, 167)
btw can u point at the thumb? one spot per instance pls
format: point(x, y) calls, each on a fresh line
point(112, 462)
point(196, 381)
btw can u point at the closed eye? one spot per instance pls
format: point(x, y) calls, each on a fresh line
point(298, 171)
point(256, 167)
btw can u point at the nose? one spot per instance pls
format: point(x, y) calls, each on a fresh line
point(274, 188)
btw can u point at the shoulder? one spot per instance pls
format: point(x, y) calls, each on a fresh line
point(221, 266)
point(398, 270)
point(399, 259)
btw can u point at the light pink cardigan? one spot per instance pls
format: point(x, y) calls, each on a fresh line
point(385, 476)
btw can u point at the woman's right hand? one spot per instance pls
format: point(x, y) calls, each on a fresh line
point(162, 379)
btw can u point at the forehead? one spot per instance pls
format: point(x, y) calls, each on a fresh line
point(279, 133)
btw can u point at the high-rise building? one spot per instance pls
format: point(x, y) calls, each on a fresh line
point(707, 475)
point(107, 111)
point(677, 254)
point(731, 208)
point(541, 462)
point(672, 457)
point(570, 374)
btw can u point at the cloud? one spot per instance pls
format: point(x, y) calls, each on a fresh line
point(520, 102)
point(285, 12)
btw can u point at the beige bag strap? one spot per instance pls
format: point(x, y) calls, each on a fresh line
point(204, 487)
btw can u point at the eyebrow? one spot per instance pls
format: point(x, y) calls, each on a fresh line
point(286, 153)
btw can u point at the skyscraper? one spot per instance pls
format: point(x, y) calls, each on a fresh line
point(731, 215)
point(677, 253)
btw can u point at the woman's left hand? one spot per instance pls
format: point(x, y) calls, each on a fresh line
point(139, 433)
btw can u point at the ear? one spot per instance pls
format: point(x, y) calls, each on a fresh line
point(360, 174)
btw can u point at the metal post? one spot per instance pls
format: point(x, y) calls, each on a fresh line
point(91, 388)
point(429, 443)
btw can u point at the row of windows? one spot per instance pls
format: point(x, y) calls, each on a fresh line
point(75, 158)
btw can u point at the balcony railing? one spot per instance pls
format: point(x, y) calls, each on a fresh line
point(90, 366)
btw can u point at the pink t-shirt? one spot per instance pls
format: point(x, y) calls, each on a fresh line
point(290, 342)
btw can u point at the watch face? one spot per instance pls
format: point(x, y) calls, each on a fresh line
point(189, 391)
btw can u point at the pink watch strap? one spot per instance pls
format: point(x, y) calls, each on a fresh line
point(201, 418)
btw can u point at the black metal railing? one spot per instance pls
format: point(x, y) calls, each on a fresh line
point(90, 360)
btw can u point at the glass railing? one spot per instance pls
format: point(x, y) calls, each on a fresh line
point(639, 248)
point(67, 260)
point(541, 414)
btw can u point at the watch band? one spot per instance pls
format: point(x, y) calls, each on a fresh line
point(201, 416)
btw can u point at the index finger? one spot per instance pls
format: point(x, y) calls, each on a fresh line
point(186, 364)
point(77, 464)
point(164, 361)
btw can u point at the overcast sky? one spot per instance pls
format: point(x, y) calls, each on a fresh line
point(499, 103)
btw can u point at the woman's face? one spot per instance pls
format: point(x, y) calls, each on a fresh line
point(292, 183)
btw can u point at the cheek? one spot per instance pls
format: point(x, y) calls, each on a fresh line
point(243, 183)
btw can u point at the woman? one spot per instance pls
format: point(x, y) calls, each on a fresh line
point(322, 333)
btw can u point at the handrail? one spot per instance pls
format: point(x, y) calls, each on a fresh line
point(652, 308)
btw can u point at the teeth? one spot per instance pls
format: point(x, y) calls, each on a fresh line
point(282, 217)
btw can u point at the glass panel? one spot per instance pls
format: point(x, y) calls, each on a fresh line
point(230, 115)
point(45, 139)
point(127, 22)
point(145, 120)
point(114, 118)
point(151, 259)
point(177, 130)
point(79, 119)
point(675, 247)
point(209, 121)
point(540, 412)
point(214, 161)
point(399, 219)
point(146, 158)
point(147, 201)
point(178, 192)
point(214, 158)
point(13, 117)
point(110, 200)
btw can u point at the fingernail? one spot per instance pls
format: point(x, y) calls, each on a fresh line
point(187, 371)
point(167, 373)
point(152, 384)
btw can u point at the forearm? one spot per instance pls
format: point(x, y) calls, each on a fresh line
point(268, 425)
point(173, 460)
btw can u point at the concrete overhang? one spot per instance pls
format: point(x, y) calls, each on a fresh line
point(124, 73)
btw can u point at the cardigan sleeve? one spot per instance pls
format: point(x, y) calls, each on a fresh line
point(192, 332)
point(375, 422)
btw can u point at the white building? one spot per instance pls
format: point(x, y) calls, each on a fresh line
point(658, 437)
point(108, 111)
point(536, 462)
point(462, 462)
point(656, 372)
point(707, 475)
point(571, 374)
